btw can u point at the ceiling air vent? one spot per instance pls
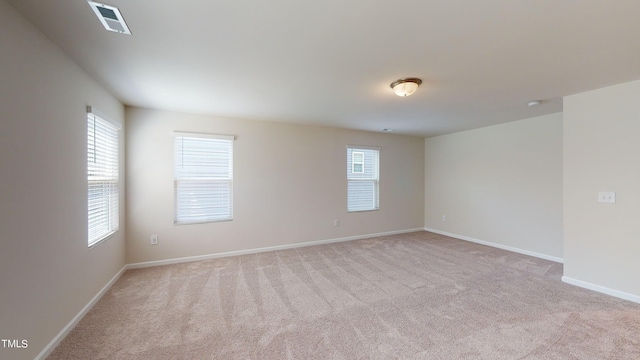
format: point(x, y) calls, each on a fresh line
point(110, 17)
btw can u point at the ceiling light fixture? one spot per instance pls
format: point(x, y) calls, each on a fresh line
point(405, 87)
point(534, 103)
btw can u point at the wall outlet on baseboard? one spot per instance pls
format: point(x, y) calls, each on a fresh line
point(336, 223)
point(444, 217)
point(154, 239)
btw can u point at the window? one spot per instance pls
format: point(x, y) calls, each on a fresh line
point(203, 178)
point(357, 162)
point(363, 177)
point(102, 176)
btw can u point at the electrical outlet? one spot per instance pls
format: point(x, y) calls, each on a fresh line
point(607, 197)
point(154, 239)
point(336, 223)
point(444, 217)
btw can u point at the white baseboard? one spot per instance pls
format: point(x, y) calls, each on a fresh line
point(602, 289)
point(499, 246)
point(76, 319)
point(264, 249)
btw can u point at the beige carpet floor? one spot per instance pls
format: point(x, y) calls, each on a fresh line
point(411, 296)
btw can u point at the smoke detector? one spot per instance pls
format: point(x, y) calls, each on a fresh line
point(110, 17)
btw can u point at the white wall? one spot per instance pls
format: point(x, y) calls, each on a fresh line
point(500, 184)
point(289, 185)
point(47, 273)
point(602, 153)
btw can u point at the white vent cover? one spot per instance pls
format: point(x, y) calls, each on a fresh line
point(110, 17)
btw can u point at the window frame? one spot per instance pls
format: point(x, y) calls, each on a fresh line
point(181, 218)
point(103, 172)
point(374, 178)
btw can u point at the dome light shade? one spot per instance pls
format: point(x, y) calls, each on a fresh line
point(405, 87)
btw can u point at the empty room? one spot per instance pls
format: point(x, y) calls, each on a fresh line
point(319, 180)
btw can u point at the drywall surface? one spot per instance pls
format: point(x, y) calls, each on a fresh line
point(289, 185)
point(602, 153)
point(500, 184)
point(47, 272)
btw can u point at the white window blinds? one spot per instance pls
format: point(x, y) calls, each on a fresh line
point(363, 178)
point(102, 176)
point(203, 178)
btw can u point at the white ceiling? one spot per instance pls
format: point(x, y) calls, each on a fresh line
point(330, 62)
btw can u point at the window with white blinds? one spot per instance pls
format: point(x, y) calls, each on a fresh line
point(363, 178)
point(102, 176)
point(203, 178)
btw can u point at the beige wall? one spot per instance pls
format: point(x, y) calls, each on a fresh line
point(602, 153)
point(47, 273)
point(500, 184)
point(289, 185)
